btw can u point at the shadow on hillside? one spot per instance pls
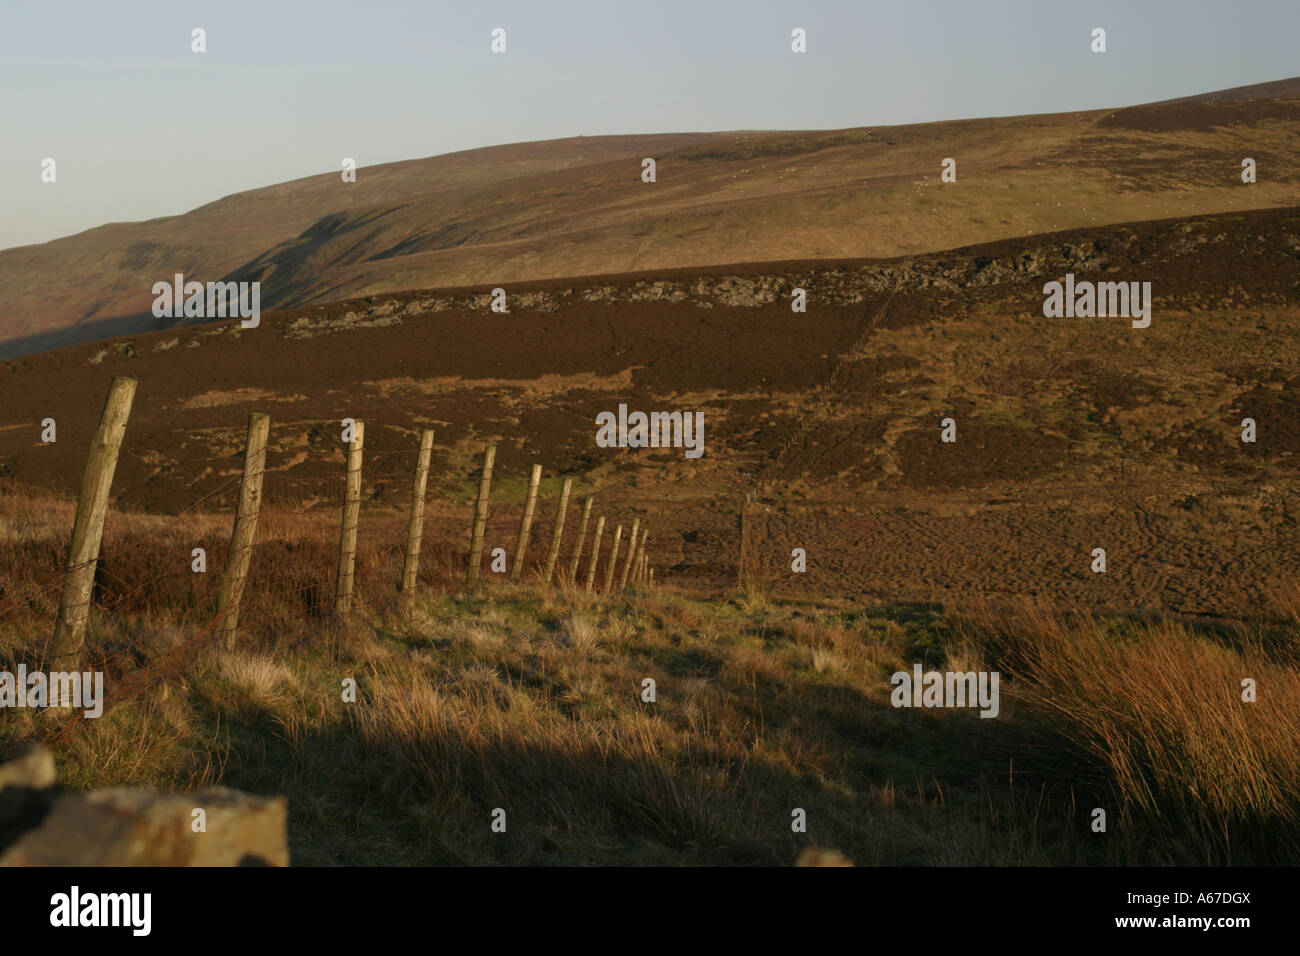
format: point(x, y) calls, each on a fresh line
point(580, 792)
point(85, 333)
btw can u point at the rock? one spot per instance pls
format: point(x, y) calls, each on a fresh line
point(26, 793)
point(132, 827)
point(819, 856)
point(34, 769)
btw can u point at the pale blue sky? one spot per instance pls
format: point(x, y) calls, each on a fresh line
point(141, 127)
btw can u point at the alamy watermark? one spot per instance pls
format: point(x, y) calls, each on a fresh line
point(75, 908)
point(947, 689)
point(217, 300)
point(55, 689)
point(653, 430)
point(1087, 300)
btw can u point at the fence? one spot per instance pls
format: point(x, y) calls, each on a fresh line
point(298, 568)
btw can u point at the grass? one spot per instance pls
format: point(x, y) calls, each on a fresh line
point(531, 701)
point(1160, 712)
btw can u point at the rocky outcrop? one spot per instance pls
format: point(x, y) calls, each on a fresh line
point(41, 826)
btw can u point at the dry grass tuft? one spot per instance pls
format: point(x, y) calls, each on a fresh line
point(1159, 706)
point(580, 633)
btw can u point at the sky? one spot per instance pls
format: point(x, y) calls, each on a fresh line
point(140, 126)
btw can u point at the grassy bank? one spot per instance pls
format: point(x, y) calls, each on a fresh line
point(533, 703)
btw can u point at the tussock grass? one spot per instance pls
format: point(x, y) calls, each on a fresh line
point(529, 699)
point(1156, 707)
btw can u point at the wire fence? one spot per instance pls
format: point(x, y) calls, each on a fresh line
point(153, 605)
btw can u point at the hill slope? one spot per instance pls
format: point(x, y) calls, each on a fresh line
point(578, 207)
point(1072, 433)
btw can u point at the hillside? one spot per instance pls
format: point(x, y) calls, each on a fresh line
point(1071, 432)
point(578, 207)
point(916, 445)
point(532, 702)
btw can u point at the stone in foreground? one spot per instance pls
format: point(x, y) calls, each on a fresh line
point(131, 827)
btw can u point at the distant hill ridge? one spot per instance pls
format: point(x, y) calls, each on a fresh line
point(577, 206)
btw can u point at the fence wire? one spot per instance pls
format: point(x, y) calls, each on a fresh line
point(146, 595)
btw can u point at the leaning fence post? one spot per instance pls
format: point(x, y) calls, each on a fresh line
point(241, 539)
point(415, 527)
point(88, 527)
point(480, 516)
point(638, 547)
point(595, 552)
point(638, 575)
point(582, 533)
point(613, 560)
point(526, 522)
point(632, 540)
point(348, 537)
point(557, 532)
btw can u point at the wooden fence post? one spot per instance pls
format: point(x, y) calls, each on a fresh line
point(88, 526)
point(526, 522)
point(595, 552)
point(638, 548)
point(351, 511)
point(632, 540)
point(415, 527)
point(645, 556)
point(241, 539)
point(582, 533)
point(557, 532)
point(639, 573)
point(480, 516)
point(613, 560)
